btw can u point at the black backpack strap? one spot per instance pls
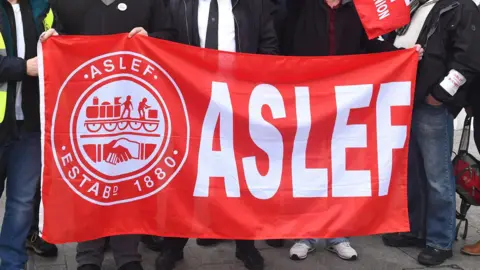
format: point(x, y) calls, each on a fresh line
point(465, 139)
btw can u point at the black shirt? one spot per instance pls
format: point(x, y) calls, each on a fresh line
point(94, 17)
point(307, 30)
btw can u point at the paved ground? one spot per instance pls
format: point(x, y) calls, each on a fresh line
point(373, 255)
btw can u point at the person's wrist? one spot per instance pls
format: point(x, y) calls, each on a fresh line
point(27, 67)
point(25, 64)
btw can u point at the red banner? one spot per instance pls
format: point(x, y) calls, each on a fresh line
point(380, 17)
point(143, 136)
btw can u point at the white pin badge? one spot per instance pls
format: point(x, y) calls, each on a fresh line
point(122, 6)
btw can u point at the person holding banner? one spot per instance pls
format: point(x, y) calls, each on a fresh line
point(439, 97)
point(228, 26)
point(106, 17)
point(322, 28)
point(329, 27)
point(21, 24)
point(474, 111)
point(101, 17)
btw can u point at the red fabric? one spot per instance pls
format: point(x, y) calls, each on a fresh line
point(466, 169)
point(382, 16)
point(109, 170)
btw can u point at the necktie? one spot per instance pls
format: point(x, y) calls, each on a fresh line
point(211, 41)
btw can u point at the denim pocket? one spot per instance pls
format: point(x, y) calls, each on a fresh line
point(434, 106)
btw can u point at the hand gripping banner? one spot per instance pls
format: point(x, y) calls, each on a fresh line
point(143, 136)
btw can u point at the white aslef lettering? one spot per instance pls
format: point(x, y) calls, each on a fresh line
point(94, 71)
point(306, 182)
point(136, 64)
point(349, 183)
point(268, 138)
point(390, 137)
point(219, 112)
point(109, 66)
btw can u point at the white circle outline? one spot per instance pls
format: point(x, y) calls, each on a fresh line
point(187, 145)
point(167, 141)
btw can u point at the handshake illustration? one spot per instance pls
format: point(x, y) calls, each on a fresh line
point(119, 151)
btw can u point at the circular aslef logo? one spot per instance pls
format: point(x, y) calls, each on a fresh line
point(120, 129)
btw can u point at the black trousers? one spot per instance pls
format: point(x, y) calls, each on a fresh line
point(177, 244)
point(36, 210)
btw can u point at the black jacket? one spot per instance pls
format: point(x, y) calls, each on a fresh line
point(13, 69)
point(306, 30)
point(254, 25)
point(451, 39)
point(474, 97)
point(280, 15)
point(93, 17)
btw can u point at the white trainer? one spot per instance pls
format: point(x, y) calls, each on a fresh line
point(344, 251)
point(300, 251)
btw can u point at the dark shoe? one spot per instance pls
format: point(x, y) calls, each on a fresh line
point(402, 240)
point(207, 242)
point(167, 260)
point(40, 247)
point(131, 266)
point(89, 267)
point(275, 243)
point(154, 243)
point(251, 258)
point(432, 256)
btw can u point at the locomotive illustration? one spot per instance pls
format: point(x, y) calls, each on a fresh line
point(115, 116)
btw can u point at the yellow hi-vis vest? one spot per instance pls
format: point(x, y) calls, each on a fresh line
point(47, 24)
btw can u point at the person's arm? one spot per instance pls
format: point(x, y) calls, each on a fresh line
point(161, 25)
point(12, 68)
point(377, 46)
point(268, 36)
point(464, 60)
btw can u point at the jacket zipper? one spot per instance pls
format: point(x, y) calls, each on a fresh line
point(237, 30)
point(186, 22)
point(437, 21)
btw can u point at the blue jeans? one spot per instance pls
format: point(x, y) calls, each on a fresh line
point(329, 242)
point(23, 157)
point(431, 183)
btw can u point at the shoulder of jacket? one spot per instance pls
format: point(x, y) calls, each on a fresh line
point(467, 4)
point(40, 8)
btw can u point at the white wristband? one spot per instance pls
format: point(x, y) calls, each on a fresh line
point(453, 82)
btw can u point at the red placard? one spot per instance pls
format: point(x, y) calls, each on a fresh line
point(380, 17)
point(143, 136)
